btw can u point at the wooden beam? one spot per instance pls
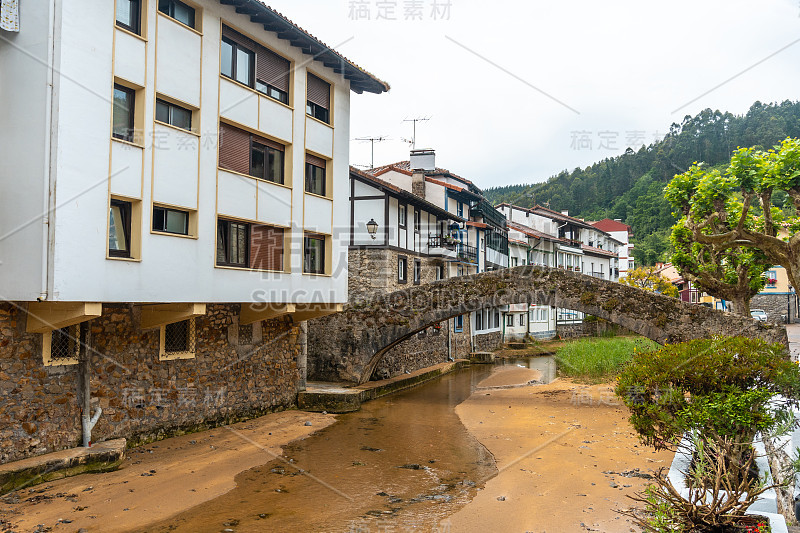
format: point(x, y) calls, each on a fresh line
point(157, 315)
point(309, 311)
point(47, 316)
point(262, 311)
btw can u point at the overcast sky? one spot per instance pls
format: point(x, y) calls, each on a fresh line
point(518, 91)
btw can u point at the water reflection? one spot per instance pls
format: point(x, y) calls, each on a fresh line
point(545, 364)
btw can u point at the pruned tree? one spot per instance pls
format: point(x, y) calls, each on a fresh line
point(731, 211)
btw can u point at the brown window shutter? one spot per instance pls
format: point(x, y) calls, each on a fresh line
point(272, 69)
point(316, 161)
point(319, 92)
point(266, 248)
point(269, 142)
point(238, 38)
point(234, 149)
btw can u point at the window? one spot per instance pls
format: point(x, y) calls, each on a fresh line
point(315, 175)
point(479, 320)
point(319, 98)
point(314, 254)
point(417, 217)
point(170, 220)
point(129, 15)
point(173, 114)
point(123, 119)
point(402, 270)
point(401, 216)
point(522, 319)
point(497, 319)
point(247, 62)
point(266, 160)
point(514, 262)
point(177, 340)
point(256, 156)
point(417, 271)
point(460, 210)
point(232, 241)
point(62, 346)
point(458, 324)
point(439, 272)
point(237, 62)
point(772, 278)
point(177, 10)
point(255, 246)
point(119, 229)
point(510, 320)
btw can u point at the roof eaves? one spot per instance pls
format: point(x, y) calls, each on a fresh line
point(260, 13)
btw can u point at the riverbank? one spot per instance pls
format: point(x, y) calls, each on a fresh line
point(567, 458)
point(158, 480)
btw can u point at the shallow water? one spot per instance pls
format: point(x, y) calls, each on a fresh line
point(403, 462)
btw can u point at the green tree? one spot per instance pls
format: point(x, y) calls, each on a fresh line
point(730, 210)
point(647, 278)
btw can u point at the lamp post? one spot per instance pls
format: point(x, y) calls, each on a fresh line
point(372, 228)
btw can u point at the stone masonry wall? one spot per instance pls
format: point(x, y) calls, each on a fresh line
point(776, 306)
point(143, 398)
point(488, 342)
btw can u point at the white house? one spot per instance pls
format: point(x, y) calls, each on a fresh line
point(170, 157)
point(622, 234)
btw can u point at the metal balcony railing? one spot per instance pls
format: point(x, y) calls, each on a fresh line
point(467, 253)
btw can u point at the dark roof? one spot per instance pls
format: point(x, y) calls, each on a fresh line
point(536, 234)
point(260, 13)
point(402, 193)
point(405, 167)
point(549, 213)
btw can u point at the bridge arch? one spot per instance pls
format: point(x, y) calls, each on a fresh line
point(350, 344)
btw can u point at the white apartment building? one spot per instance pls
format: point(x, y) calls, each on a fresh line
point(622, 234)
point(172, 157)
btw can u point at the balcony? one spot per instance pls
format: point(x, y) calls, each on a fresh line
point(447, 246)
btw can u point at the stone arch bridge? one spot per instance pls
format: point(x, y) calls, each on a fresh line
point(349, 345)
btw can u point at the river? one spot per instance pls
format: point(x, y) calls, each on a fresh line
point(403, 462)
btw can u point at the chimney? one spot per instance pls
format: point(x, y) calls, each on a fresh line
point(423, 159)
point(418, 183)
point(565, 213)
point(617, 220)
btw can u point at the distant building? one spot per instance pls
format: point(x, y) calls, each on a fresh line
point(622, 233)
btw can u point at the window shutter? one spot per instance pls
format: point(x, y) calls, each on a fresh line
point(266, 248)
point(319, 92)
point(272, 69)
point(238, 38)
point(316, 161)
point(268, 142)
point(234, 149)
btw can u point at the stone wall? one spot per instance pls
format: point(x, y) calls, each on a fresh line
point(143, 398)
point(488, 342)
point(777, 306)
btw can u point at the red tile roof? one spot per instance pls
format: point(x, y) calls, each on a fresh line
point(611, 225)
point(598, 251)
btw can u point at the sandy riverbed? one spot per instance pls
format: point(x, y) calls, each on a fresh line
point(561, 450)
point(158, 480)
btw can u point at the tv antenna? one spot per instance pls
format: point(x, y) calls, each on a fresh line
point(372, 141)
point(414, 122)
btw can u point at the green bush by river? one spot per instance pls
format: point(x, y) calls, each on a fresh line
point(598, 359)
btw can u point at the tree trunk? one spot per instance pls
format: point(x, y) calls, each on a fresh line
point(779, 464)
point(740, 305)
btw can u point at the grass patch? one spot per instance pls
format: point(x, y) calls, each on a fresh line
point(598, 359)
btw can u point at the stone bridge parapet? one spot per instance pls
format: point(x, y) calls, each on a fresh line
point(347, 346)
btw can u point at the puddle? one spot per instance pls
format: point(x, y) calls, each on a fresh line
point(404, 462)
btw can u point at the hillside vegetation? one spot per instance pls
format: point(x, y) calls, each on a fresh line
point(630, 186)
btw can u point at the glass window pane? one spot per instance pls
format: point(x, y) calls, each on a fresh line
point(275, 166)
point(126, 13)
point(183, 13)
point(262, 87)
point(177, 222)
point(116, 230)
point(243, 66)
point(159, 215)
point(162, 111)
point(176, 337)
point(221, 241)
point(181, 117)
point(257, 161)
point(227, 59)
point(123, 114)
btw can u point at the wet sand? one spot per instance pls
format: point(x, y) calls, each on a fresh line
point(566, 456)
point(158, 480)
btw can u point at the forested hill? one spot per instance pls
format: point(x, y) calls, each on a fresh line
point(630, 186)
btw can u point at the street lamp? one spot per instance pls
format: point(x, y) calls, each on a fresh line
point(372, 228)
